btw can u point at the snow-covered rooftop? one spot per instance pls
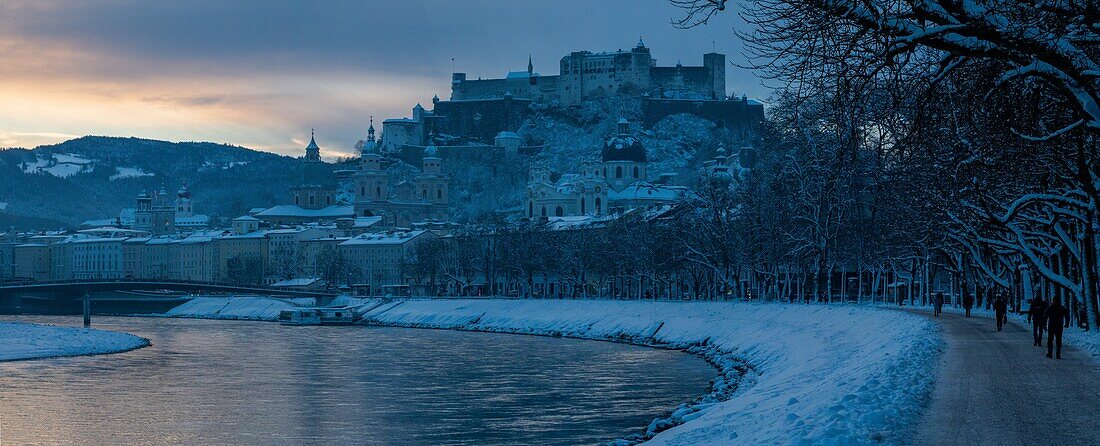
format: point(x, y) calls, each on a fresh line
point(290, 210)
point(388, 238)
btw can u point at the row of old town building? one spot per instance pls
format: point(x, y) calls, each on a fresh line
point(299, 244)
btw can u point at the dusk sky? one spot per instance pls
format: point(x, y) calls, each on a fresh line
point(261, 74)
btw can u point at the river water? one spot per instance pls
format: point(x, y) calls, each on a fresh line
point(259, 383)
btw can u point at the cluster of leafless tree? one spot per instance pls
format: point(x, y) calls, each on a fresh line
point(936, 136)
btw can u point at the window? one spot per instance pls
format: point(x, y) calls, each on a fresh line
point(635, 171)
point(544, 211)
point(559, 211)
point(297, 200)
point(618, 171)
point(597, 205)
point(362, 191)
point(439, 194)
point(582, 205)
point(311, 199)
point(530, 208)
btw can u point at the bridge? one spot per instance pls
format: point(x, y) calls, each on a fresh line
point(118, 296)
point(97, 285)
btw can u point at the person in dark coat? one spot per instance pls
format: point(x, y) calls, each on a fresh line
point(1057, 318)
point(937, 303)
point(1037, 316)
point(1000, 309)
point(968, 303)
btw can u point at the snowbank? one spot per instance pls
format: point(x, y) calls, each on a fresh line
point(29, 341)
point(243, 307)
point(791, 374)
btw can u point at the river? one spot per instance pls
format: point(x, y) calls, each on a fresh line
point(259, 383)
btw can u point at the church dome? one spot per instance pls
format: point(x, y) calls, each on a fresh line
point(314, 174)
point(623, 146)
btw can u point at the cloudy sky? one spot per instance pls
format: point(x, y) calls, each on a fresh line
point(262, 73)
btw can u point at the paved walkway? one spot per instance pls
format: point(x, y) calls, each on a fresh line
point(996, 388)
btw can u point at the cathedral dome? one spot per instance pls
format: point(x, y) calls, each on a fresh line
point(623, 146)
point(314, 174)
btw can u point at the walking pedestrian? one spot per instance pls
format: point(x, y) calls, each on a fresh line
point(1057, 318)
point(968, 303)
point(1000, 310)
point(938, 303)
point(1037, 316)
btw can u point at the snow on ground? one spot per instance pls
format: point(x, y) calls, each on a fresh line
point(71, 159)
point(60, 165)
point(242, 307)
point(28, 341)
point(815, 374)
point(129, 172)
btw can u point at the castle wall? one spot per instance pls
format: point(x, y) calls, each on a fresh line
point(739, 115)
point(585, 75)
point(399, 132)
point(693, 79)
point(496, 115)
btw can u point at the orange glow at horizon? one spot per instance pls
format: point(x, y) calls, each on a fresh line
point(53, 93)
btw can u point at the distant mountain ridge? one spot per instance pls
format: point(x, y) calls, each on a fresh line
point(95, 177)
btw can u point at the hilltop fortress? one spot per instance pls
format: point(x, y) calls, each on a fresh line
point(585, 75)
point(481, 109)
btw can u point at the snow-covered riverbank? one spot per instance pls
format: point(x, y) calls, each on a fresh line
point(790, 374)
point(236, 308)
point(31, 341)
point(817, 374)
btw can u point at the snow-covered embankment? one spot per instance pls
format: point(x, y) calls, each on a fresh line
point(237, 308)
point(811, 374)
point(30, 341)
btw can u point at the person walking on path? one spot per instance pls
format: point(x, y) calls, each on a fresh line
point(1000, 309)
point(938, 304)
point(1057, 318)
point(968, 303)
point(1037, 316)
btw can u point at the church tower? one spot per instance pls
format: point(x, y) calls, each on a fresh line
point(371, 181)
point(183, 202)
point(432, 182)
point(624, 158)
point(163, 214)
point(314, 184)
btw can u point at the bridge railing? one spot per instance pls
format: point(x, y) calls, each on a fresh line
point(36, 283)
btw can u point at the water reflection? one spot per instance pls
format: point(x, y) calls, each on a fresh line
point(220, 382)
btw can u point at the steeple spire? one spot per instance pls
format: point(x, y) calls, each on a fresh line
point(313, 152)
point(530, 66)
point(370, 130)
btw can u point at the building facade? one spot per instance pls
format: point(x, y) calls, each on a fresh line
point(380, 259)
